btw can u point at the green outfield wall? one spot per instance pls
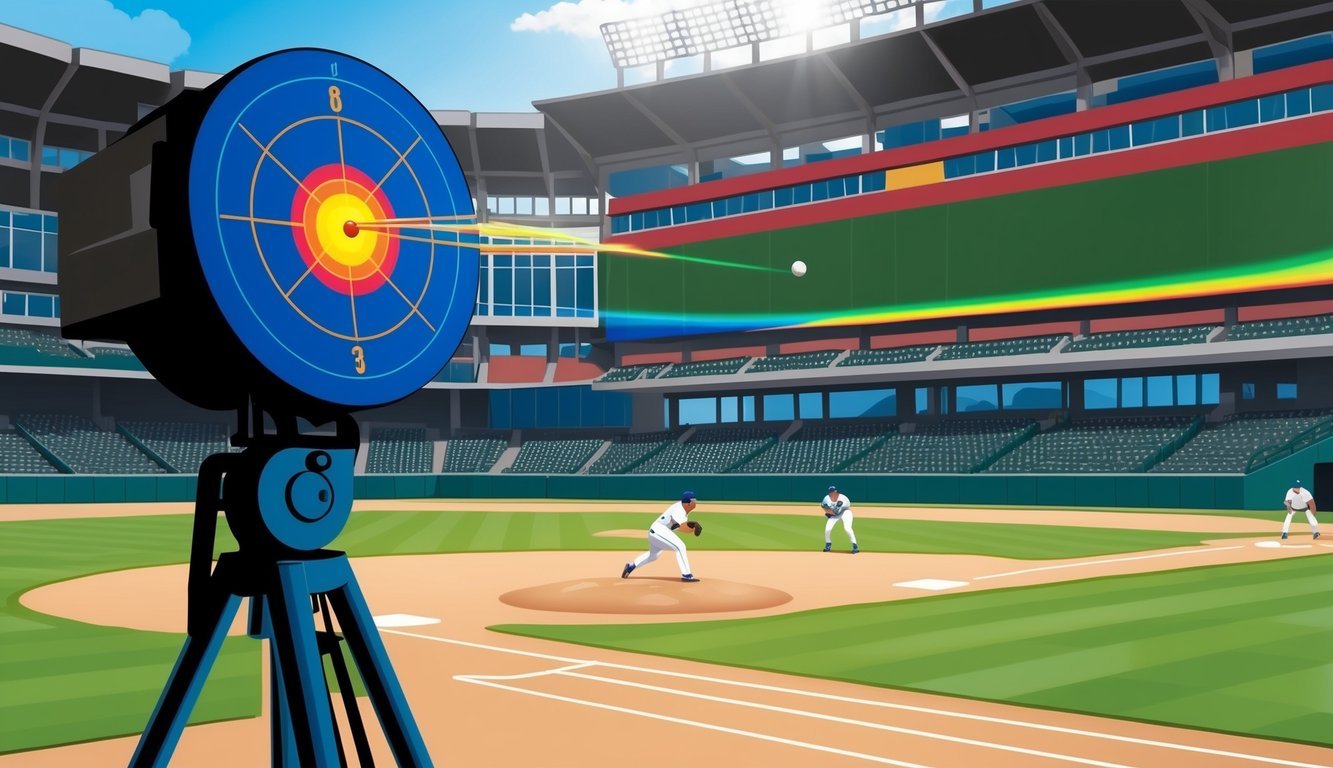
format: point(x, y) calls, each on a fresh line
point(1153, 233)
point(1262, 489)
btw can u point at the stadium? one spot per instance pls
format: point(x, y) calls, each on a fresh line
point(1045, 286)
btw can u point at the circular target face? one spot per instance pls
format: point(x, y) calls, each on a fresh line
point(318, 187)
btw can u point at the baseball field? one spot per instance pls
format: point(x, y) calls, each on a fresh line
point(957, 637)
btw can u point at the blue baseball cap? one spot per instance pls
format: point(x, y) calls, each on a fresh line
point(832, 488)
point(1296, 484)
point(687, 497)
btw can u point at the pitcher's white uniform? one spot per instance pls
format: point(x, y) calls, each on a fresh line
point(1299, 500)
point(662, 535)
point(831, 504)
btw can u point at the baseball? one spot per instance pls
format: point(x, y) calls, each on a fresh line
point(798, 268)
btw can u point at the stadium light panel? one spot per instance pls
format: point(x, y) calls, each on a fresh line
point(726, 24)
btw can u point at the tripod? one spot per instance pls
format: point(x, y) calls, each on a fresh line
point(285, 498)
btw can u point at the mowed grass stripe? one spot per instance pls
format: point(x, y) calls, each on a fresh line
point(1148, 646)
point(47, 650)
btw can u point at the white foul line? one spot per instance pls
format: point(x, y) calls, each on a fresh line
point(846, 720)
point(526, 675)
point(697, 724)
point(867, 702)
point(1110, 560)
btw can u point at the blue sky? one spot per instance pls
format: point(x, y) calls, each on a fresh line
point(483, 55)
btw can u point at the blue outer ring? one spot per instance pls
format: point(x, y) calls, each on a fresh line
point(269, 90)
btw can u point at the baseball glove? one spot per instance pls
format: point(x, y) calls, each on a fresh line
point(698, 528)
point(834, 511)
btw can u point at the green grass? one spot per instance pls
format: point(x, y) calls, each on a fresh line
point(64, 681)
point(1237, 648)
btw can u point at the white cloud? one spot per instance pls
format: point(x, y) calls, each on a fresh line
point(586, 17)
point(153, 34)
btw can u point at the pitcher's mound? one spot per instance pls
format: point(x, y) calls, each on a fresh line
point(645, 594)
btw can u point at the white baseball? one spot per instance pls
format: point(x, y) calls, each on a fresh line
point(798, 268)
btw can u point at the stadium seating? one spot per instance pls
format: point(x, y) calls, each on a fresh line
point(1227, 447)
point(633, 372)
point(183, 445)
point(399, 450)
point(23, 346)
point(1156, 337)
point(948, 446)
point(629, 450)
point(1094, 445)
point(471, 454)
point(1288, 326)
point(707, 368)
point(1032, 345)
point(17, 456)
point(554, 457)
point(715, 449)
point(895, 356)
point(85, 448)
point(796, 362)
point(817, 449)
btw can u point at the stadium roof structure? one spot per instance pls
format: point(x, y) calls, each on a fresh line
point(80, 98)
point(988, 58)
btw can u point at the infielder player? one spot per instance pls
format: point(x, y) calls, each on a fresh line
point(662, 535)
point(838, 507)
point(1299, 500)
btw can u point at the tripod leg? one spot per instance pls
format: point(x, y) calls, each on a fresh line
point(187, 679)
point(302, 676)
point(355, 724)
point(372, 661)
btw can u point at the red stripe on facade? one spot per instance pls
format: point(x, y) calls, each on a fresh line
point(650, 358)
point(895, 340)
point(701, 355)
point(516, 369)
point(1154, 157)
point(1149, 322)
point(1021, 331)
point(1281, 311)
point(817, 345)
point(1052, 127)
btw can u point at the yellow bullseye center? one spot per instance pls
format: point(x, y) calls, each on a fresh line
point(331, 217)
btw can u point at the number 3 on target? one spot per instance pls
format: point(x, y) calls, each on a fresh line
point(359, 358)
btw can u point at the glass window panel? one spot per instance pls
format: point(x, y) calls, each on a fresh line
point(1026, 154)
point(778, 408)
point(1004, 158)
point(729, 409)
point(1119, 137)
point(1187, 389)
point(818, 191)
point(1101, 141)
point(506, 205)
point(1067, 146)
point(1032, 394)
point(943, 400)
point(1047, 151)
point(863, 403)
point(1082, 144)
point(636, 221)
point(1161, 391)
point(782, 197)
point(801, 193)
point(735, 206)
point(923, 400)
point(4, 146)
point(31, 221)
point(15, 303)
point(50, 155)
point(541, 287)
point(585, 291)
point(766, 200)
point(594, 205)
point(1131, 392)
point(618, 225)
point(1215, 119)
point(747, 408)
point(483, 285)
point(1273, 107)
point(562, 206)
point(1247, 391)
point(4, 247)
point(523, 285)
point(666, 413)
point(812, 405)
point(27, 250)
point(40, 305)
point(542, 207)
point(985, 162)
point(583, 261)
point(1285, 391)
point(1191, 123)
point(503, 283)
point(1099, 394)
point(19, 150)
point(977, 397)
point(1242, 113)
point(579, 206)
point(1210, 385)
point(524, 206)
point(1321, 97)
point(1298, 102)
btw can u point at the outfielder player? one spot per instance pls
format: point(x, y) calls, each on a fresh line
point(662, 535)
point(1299, 500)
point(838, 507)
